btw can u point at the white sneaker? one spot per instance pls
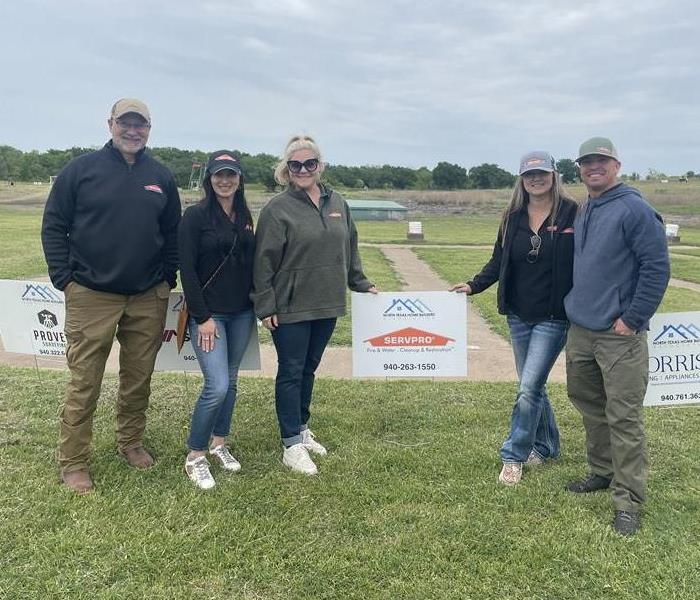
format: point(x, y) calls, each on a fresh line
point(228, 462)
point(308, 439)
point(534, 460)
point(511, 473)
point(198, 471)
point(297, 458)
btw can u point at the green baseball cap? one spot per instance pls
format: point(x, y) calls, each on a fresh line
point(598, 145)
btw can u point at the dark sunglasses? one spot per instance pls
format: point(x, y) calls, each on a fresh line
point(536, 242)
point(310, 164)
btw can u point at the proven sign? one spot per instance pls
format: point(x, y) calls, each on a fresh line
point(33, 318)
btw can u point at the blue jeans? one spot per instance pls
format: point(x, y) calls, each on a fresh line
point(214, 408)
point(532, 425)
point(299, 347)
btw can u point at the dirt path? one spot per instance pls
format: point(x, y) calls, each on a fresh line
point(688, 285)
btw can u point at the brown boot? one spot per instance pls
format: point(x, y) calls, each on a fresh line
point(138, 457)
point(78, 481)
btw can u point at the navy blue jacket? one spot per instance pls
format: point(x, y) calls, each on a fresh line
point(112, 226)
point(621, 264)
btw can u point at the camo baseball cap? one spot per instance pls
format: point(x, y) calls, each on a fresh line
point(537, 160)
point(598, 145)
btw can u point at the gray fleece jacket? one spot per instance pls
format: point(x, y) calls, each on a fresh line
point(621, 264)
point(305, 258)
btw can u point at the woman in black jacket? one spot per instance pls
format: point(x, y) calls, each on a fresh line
point(216, 247)
point(532, 261)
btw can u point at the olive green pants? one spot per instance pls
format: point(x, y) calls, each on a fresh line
point(92, 320)
point(607, 377)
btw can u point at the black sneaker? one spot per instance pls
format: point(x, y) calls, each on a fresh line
point(626, 523)
point(592, 483)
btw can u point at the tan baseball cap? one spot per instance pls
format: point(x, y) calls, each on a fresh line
point(130, 105)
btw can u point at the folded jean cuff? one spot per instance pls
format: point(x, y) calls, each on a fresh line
point(291, 441)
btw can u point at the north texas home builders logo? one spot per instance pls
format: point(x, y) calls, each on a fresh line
point(407, 307)
point(677, 334)
point(40, 293)
point(409, 337)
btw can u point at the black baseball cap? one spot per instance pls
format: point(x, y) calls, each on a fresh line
point(223, 159)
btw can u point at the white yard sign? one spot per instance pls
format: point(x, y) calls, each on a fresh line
point(409, 334)
point(674, 359)
point(32, 318)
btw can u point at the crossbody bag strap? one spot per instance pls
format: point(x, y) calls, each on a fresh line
point(221, 265)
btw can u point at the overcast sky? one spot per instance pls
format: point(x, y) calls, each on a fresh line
point(399, 82)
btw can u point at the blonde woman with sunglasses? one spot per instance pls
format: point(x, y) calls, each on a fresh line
point(532, 260)
point(306, 256)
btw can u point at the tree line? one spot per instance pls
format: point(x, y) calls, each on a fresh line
point(40, 166)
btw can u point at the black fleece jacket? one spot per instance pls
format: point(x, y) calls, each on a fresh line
point(206, 235)
point(112, 226)
point(498, 267)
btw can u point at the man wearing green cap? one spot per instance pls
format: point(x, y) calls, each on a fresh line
point(621, 270)
point(110, 241)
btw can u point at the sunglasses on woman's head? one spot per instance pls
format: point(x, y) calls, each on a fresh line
point(310, 164)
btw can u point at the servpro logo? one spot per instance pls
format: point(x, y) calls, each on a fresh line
point(409, 337)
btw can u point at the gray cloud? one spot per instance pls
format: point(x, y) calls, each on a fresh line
point(390, 82)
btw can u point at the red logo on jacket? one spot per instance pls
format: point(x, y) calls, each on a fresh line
point(153, 188)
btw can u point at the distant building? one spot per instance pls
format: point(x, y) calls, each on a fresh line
point(377, 210)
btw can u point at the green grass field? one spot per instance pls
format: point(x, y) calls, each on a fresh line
point(20, 243)
point(406, 505)
point(685, 268)
point(470, 231)
point(685, 251)
point(458, 230)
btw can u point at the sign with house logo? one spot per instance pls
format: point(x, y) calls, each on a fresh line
point(409, 334)
point(32, 321)
point(674, 359)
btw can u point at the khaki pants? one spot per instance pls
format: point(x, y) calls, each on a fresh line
point(607, 376)
point(92, 320)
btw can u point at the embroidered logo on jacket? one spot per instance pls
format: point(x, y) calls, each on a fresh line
point(153, 188)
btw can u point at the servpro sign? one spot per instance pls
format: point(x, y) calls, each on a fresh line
point(409, 334)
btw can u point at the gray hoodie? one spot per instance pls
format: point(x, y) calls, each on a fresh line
point(621, 264)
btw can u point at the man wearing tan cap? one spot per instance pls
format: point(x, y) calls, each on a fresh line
point(110, 241)
point(621, 270)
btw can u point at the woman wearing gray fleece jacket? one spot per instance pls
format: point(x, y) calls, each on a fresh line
point(306, 256)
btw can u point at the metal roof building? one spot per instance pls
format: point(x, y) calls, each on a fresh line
point(377, 210)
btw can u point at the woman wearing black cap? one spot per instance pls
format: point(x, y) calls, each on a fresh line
point(216, 246)
point(532, 261)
